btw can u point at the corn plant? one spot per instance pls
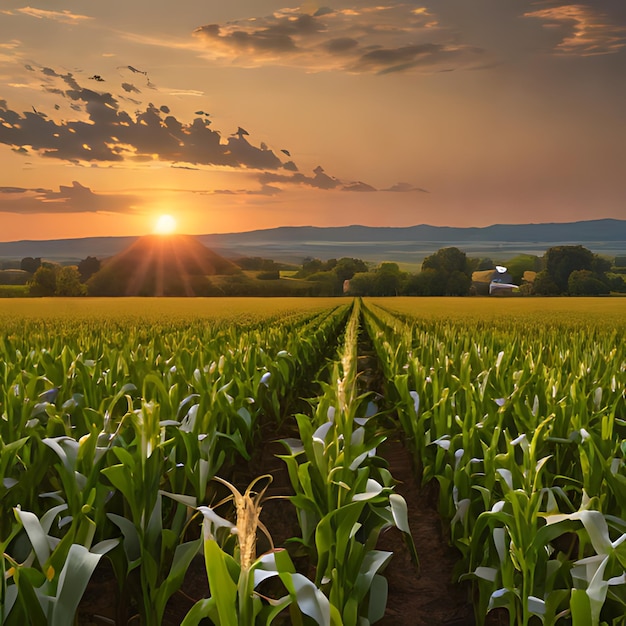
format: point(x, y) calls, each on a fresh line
point(234, 578)
point(344, 493)
point(519, 425)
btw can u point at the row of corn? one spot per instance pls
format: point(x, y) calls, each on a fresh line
point(110, 436)
point(523, 428)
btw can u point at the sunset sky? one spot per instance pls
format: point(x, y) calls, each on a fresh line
point(250, 114)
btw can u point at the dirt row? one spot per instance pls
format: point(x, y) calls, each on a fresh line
point(429, 598)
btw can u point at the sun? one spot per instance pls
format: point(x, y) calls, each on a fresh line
point(165, 225)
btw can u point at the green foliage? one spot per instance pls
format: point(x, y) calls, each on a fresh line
point(449, 274)
point(111, 434)
point(561, 261)
point(586, 283)
point(269, 275)
point(544, 285)
point(30, 265)
point(331, 274)
point(520, 264)
point(344, 493)
point(114, 431)
point(44, 282)
point(88, 267)
point(68, 282)
point(54, 280)
point(520, 423)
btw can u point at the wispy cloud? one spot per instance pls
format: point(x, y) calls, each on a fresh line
point(321, 180)
point(264, 190)
point(65, 17)
point(587, 31)
point(374, 39)
point(405, 187)
point(69, 199)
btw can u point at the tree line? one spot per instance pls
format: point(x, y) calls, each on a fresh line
point(563, 270)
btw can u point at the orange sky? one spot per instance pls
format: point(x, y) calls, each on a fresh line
point(255, 113)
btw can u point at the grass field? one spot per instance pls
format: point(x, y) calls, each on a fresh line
point(602, 311)
point(159, 309)
point(13, 291)
point(596, 311)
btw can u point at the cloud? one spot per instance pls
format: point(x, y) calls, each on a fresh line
point(65, 17)
point(321, 180)
point(88, 126)
point(264, 190)
point(358, 186)
point(130, 88)
point(374, 39)
point(74, 199)
point(404, 188)
point(586, 30)
point(104, 132)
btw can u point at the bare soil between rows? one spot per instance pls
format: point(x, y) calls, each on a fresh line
point(429, 598)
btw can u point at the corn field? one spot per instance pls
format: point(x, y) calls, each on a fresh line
point(122, 424)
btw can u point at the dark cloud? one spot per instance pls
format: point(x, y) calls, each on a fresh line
point(103, 132)
point(130, 88)
point(250, 42)
point(358, 186)
point(265, 190)
point(393, 37)
point(323, 11)
point(74, 199)
point(341, 44)
point(396, 59)
point(278, 35)
point(404, 188)
point(111, 134)
point(319, 180)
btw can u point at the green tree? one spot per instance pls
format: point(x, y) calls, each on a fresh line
point(544, 285)
point(388, 280)
point(88, 267)
point(448, 260)
point(30, 265)
point(362, 284)
point(44, 282)
point(454, 271)
point(600, 265)
point(561, 261)
point(68, 282)
point(586, 283)
point(347, 267)
point(426, 283)
point(310, 266)
point(458, 284)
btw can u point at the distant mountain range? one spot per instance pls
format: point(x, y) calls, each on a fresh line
point(405, 244)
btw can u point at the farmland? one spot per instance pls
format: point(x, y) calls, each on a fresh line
point(131, 432)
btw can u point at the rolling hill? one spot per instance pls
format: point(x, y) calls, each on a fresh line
point(153, 265)
point(409, 244)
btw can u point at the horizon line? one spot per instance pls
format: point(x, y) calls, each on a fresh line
point(260, 230)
